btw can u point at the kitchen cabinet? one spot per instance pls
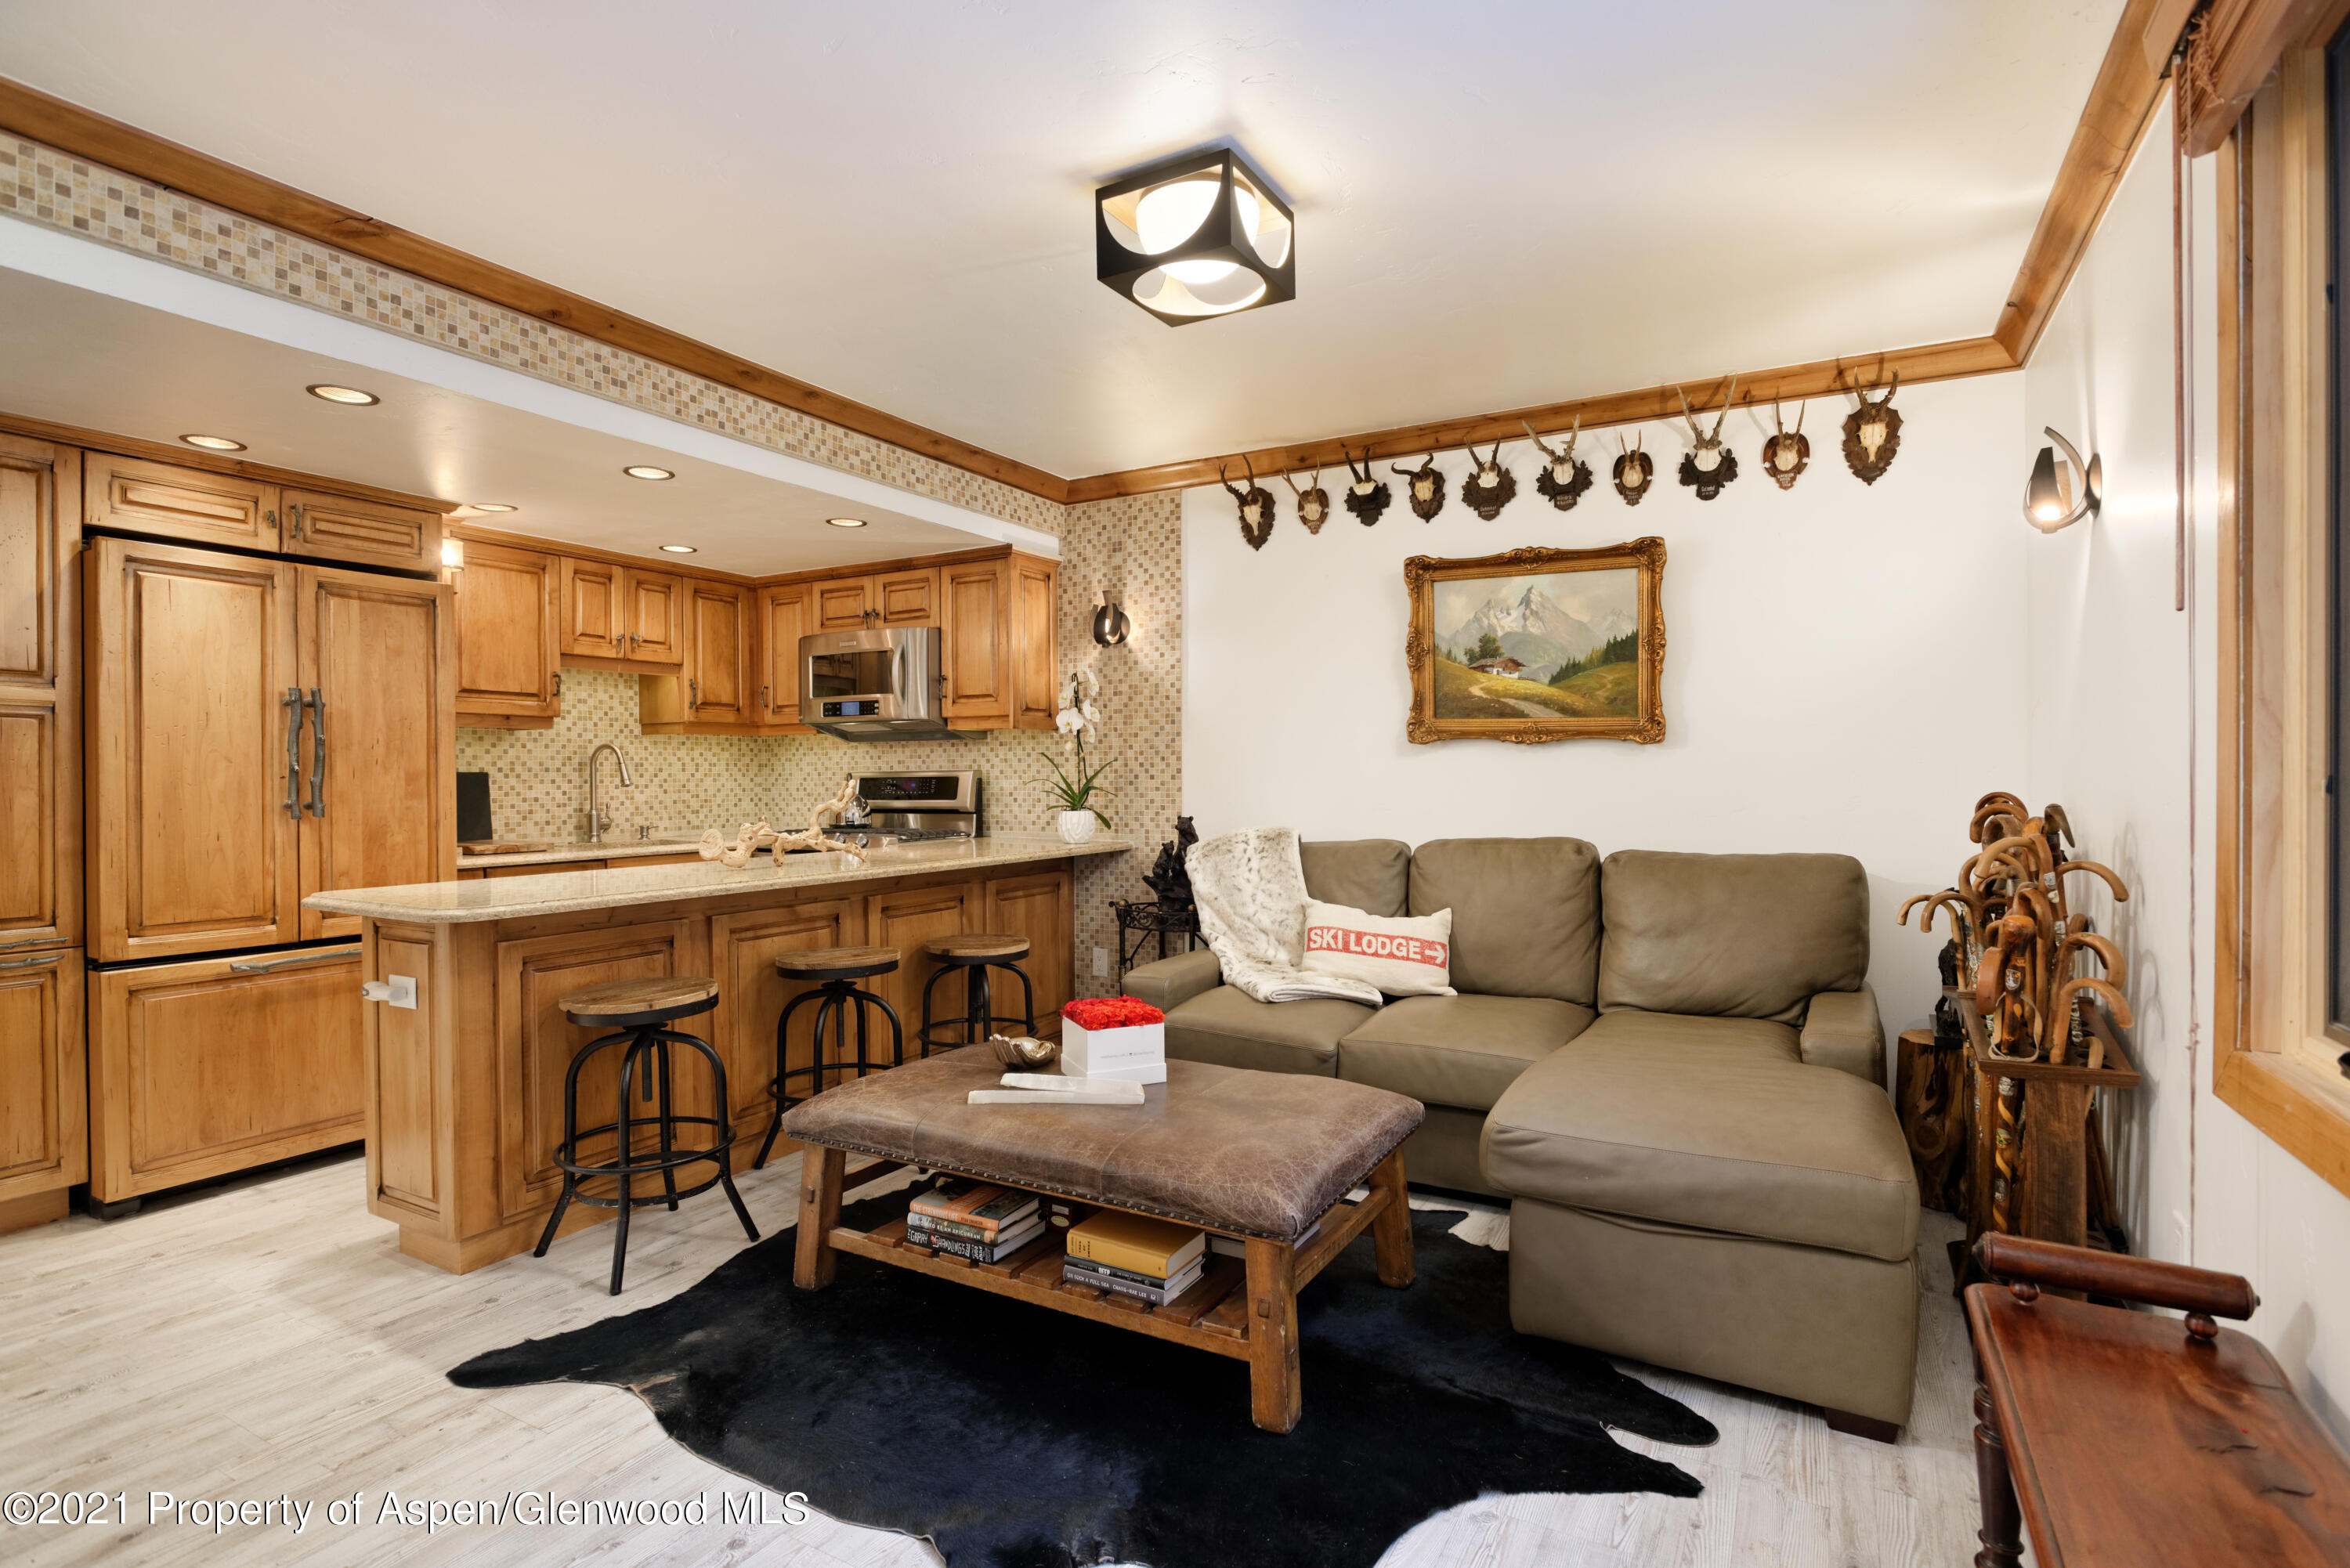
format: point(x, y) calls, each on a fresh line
point(656, 602)
point(624, 613)
point(259, 732)
point(785, 615)
point(173, 502)
point(40, 696)
point(44, 1141)
point(842, 605)
point(362, 532)
point(714, 695)
point(907, 597)
point(1001, 660)
point(1037, 907)
point(206, 1066)
point(905, 921)
point(508, 638)
point(1035, 642)
point(752, 996)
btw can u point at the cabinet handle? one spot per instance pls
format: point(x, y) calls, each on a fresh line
point(558, 683)
point(764, 703)
point(693, 694)
point(290, 963)
point(28, 942)
point(294, 513)
point(292, 702)
point(317, 754)
point(41, 962)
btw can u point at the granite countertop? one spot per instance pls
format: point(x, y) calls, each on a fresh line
point(558, 892)
point(558, 854)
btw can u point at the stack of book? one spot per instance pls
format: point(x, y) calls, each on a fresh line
point(1153, 1261)
point(974, 1219)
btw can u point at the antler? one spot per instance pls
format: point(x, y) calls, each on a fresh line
point(1285, 479)
point(1252, 470)
point(1492, 461)
point(1238, 493)
point(1538, 439)
point(1727, 399)
point(1425, 464)
point(1696, 434)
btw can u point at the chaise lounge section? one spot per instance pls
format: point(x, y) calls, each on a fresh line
point(1669, 1065)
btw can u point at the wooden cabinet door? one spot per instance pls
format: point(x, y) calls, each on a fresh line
point(509, 634)
point(201, 1068)
point(192, 807)
point(840, 606)
point(40, 695)
point(366, 533)
point(1035, 657)
point(656, 607)
point(783, 619)
point(905, 921)
point(906, 599)
point(595, 613)
point(752, 997)
point(1039, 908)
point(175, 502)
point(978, 655)
point(44, 1127)
point(377, 654)
point(718, 674)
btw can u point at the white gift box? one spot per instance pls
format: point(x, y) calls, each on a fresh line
point(1135, 1055)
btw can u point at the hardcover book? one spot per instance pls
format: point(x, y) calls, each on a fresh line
point(980, 1203)
point(1137, 1242)
point(1075, 1271)
point(931, 1224)
point(980, 1251)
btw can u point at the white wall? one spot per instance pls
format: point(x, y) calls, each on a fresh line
point(1830, 651)
point(2124, 732)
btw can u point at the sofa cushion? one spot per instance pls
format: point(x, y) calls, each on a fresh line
point(1730, 936)
point(1712, 1123)
point(1366, 873)
point(1232, 1029)
point(1457, 1051)
point(1525, 913)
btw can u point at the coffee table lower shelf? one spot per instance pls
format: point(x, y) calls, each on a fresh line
point(1244, 1309)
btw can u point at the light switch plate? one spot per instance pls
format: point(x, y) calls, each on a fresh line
point(1101, 961)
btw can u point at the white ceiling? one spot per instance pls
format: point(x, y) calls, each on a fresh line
point(1498, 205)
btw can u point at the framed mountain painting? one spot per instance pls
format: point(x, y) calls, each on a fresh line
point(1538, 645)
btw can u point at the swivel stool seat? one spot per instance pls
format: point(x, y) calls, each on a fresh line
point(836, 996)
point(974, 956)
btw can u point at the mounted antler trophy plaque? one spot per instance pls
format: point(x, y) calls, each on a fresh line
point(1312, 503)
point(1426, 492)
point(1490, 487)
point(1786, 454)
point(1562, 479)
point(1708, 465)
point(1256, 506)
point(1872, 433)
point(1366, 498)
point(1633, 471)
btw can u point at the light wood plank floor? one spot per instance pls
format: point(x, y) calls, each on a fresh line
point(266, 1339)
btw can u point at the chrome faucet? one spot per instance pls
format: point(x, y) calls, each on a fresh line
point(600, 819)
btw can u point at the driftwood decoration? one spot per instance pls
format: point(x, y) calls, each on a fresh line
point(1786, 454)
point(1709, 465)
point(1312, 503)
point(1872, 433)
point(1564, 478)
point(1491, 486)
point(1633, 471)
point(1256, 506)
point(2020, 948)
point(752, 837)
point(1426, 491)
point(1366, 498)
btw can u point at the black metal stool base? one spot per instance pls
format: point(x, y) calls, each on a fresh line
point(979, 1020)
point(644, 1067)
point(835, 1000)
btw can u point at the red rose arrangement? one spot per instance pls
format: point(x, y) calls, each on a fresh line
point(1111, 1013)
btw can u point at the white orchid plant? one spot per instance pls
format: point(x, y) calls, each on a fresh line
point(1076, 786)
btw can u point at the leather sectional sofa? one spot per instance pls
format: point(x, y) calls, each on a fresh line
point(1672, 1068)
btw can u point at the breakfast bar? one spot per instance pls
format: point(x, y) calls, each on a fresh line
point(467, 1047)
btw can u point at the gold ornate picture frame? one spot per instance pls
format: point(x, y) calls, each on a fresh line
point(1538, 645)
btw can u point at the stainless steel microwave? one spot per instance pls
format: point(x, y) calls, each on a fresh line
point(877, 683)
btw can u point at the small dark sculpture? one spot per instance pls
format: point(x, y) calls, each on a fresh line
point(1709, 465)
point(1633, 471)
point(1426, 492)
point(1872, 433)
point(1312, 504)
point(1366, 497)
point(1562, 479)
point(1167, 876)
point(1786, 454)
point(1491, 487)
point(1256, 506)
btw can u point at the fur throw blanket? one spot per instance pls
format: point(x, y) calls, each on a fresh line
point(1251, 892)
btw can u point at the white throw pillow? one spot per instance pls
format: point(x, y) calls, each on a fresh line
point(1404, 956)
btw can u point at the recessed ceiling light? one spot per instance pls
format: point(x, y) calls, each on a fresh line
point(350, 395)
point(213, 443)
point(679, 549)
point(492, 506)
point(647, 471)
point(846, 522)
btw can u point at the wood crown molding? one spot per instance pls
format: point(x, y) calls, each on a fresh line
point(679, 567)
point(2121, 104)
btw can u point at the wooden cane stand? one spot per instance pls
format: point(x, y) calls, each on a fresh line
point(2049, 1159)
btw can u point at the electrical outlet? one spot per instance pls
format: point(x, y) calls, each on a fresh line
point(1101, 961)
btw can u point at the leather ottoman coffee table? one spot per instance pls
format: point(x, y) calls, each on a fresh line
point(1267, 1157)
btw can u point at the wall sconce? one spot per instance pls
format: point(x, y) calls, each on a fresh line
point(1110, 623)
point(1197, 236)
point(453, 554)
point(2048, 498)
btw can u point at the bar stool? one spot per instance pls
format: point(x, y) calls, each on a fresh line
point(974, 956)
point(835, 998)
point(636, 1009)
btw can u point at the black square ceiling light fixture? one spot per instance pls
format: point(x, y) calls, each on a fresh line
point(1196, 237)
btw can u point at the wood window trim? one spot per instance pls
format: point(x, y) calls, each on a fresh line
point(2272, 1054)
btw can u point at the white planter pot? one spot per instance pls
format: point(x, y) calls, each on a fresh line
point(1075, 827)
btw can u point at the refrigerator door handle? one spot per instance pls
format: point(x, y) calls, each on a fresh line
point(292, 702)
point(264, 968)
point(317, 754)
point(32, 962)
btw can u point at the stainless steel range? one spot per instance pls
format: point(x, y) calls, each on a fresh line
point(913, 807)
